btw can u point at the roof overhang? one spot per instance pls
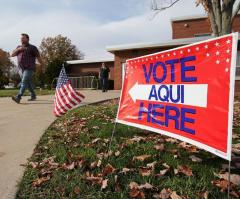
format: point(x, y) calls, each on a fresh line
point(191, 17)
point(88, 61)
point(170, 43)
point(187, 18)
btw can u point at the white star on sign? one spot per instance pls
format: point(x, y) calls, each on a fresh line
point(168, 55)
point(217, 53)
point(228, 41)
point(197, 49)
point(206, 46)
point(208, 54)
point(174, 53)
point(227, 60)
point(216, 44)
point(162, 56)
point(181, 52)
point(189, 50)
point(228, 51)
point(217, 62)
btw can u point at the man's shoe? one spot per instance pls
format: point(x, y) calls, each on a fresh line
point(32, 99)
point(16, 99)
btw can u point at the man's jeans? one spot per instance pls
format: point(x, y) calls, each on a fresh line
point(26, 82)
point(104, 82)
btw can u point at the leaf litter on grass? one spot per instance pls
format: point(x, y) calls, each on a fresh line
point(143, 164)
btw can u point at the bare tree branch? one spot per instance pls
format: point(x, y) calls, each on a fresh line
point(155, 7)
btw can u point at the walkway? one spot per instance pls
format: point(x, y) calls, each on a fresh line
point(21, 126)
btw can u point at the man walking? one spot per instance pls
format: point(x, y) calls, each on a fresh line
point(26, 56)
point(104, 76)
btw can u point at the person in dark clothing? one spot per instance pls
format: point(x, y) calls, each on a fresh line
point(104, 75)
point(26, 56)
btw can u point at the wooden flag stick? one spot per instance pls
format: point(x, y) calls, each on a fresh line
point(229, 177)
point(110, 143)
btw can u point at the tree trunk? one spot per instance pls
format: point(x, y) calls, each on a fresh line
point(227, 8)
point(220, 15)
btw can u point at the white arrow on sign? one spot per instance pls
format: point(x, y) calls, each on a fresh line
point(194, 94)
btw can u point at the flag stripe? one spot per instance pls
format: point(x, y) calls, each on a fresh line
point(62, 101)
point(68, 97)
point(59, 106)
point(77, 97)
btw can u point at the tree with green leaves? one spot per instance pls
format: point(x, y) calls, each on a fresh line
point(6, 66)
point(221, 13)
point(54, 52)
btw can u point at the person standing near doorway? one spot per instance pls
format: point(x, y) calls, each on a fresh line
point(104, 75)
point(26, 56)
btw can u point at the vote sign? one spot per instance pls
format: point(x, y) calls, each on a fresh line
point(185, 93)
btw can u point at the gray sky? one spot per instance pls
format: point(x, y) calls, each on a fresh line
point(90, 24)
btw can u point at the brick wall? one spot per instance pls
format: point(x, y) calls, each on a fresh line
point(89, 69)
point(189, 28)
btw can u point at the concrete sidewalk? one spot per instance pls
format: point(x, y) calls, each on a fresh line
point(21, 126)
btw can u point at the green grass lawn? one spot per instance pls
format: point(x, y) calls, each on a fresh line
point(13, 92)
point(71, 161)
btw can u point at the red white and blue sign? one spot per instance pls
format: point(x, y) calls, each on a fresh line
point(186, 93)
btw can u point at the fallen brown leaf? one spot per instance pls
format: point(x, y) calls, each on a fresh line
point(136, 193)
point(145, 186)
point(234, 178)
point(175, 196)
point(185, 170)
point(104, 184)
point(77, 190)
point(96, 140)
point(162, 172)
point(125, 170)
point(195, 159)
point(69, 166)
point(223, 184)
point(164, 194)
point(203, 194)
point(133, 185)
point(95, 180)
point(40, 181)
point(159, 147)
point(145, 171)
point(141, 157)
point(152, 165)
point(117, 153)
point(108, 170)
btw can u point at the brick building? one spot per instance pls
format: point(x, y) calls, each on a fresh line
point(91, 67)
point(185, 30)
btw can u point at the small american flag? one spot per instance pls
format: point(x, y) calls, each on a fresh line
point(66, 97)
